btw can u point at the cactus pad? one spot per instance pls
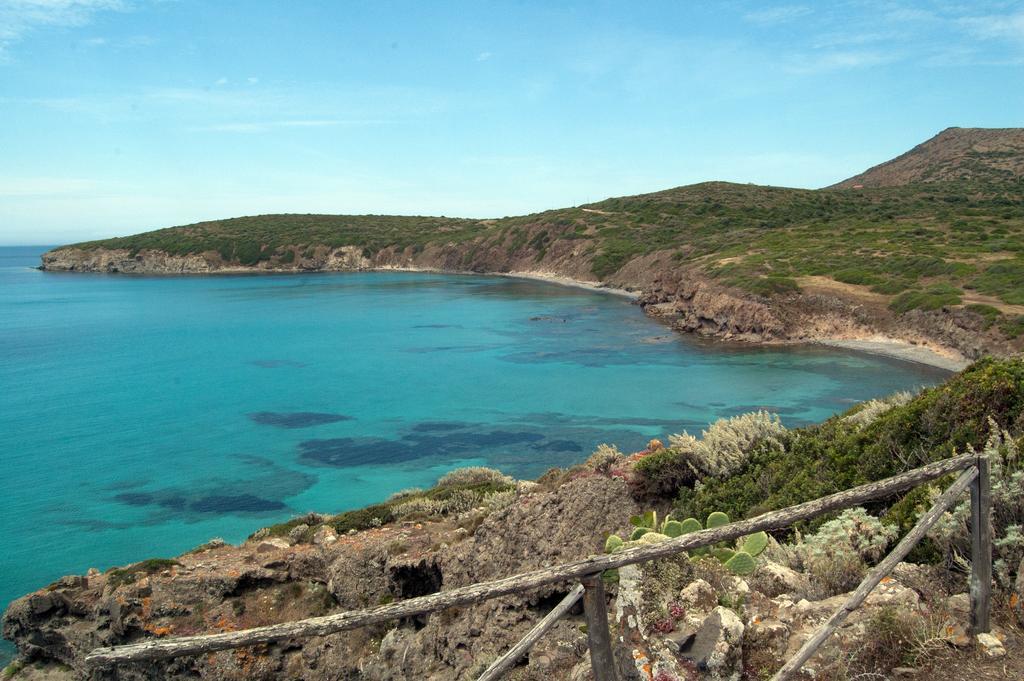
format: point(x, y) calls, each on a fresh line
point(639, 532)
point(613, 543)
point(754, 543)
point(652, 538)
point(672, 528)
point(742, 563)
point(717, 519)
point(691, 525)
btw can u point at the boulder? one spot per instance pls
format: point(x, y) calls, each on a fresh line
point(272, 544)
point(773, 580)
point(716, 647)
point(324, 535)
point(991, 647)
point(698, 596)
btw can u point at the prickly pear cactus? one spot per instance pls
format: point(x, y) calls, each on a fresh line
point(672, 528)
point(739, 559)
point(652, 538)
point(639, 532)
point(753, 544)
point(717, 519)
point(691, 525)
point(741, 563)
point(613, 543)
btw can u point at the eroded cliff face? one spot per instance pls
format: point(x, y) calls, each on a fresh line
point(675, 618)
point(267, 580)
point(684, 298)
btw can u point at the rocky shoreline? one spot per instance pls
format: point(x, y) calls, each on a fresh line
point(674, 618)
point(685, 300)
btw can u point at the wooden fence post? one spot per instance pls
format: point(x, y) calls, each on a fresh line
point(506, 661)
point(946, 500)
point(981, 548)
point(599, 640)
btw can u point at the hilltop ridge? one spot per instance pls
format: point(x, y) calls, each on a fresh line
point(953, 154)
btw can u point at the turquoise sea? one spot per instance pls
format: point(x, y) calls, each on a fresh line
point(141, 416)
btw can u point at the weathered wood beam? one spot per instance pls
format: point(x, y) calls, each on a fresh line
point(505, 662)
point(944, 502)
point(981, 549)
point(156, 649)
point(599, 639)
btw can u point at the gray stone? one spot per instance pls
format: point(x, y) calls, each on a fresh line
point(297, 532)
point(324, 535)
point(991, 647)
point(773, 580)
point(959, 603)
point(272, 544)
point(715, 648)
point(699, 596)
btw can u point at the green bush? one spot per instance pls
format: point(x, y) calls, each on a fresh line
point(836, 557)
point(933, 298)
point(840, 453)
point(952, 534)
point(363, 518)
point(660, 475)
point(855, 276)
point(128, 574)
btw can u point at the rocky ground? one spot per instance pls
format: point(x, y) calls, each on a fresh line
point(673, 619)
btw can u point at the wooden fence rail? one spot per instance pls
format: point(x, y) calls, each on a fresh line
point(587, 571)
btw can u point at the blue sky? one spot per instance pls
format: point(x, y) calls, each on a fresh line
point(118, 116)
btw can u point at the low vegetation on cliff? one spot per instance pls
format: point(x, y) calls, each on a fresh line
point(930, 240)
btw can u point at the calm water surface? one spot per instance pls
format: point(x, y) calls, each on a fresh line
point(141, 416)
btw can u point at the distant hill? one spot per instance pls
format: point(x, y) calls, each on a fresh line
point(928, 247)
point(953, 154)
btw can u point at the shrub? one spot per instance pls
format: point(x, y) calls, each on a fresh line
point(474, 475)
point(837, 555)
point(405, 494)
point(853, 275)
point(724, 447)
point(836, 455)
point(661, 475)
point(604, 459)
point(867, 412)
point(952, 533)
point(363, 518)
point(459, 501)
point(128, 574)
point(1012, 326)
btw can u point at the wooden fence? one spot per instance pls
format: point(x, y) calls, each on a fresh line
point(975, 476)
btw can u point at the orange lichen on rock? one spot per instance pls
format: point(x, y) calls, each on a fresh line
point(159, 630)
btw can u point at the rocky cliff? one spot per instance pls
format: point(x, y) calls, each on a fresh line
point(683, 297)
point(673, 619)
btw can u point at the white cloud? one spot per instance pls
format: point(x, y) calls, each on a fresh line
point(266, 126)
point(221, 81)
point(1005, 26)
point(18, 18)
point(484, 56)
point(826, 62)
point(777, 15)
point(252, 80)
